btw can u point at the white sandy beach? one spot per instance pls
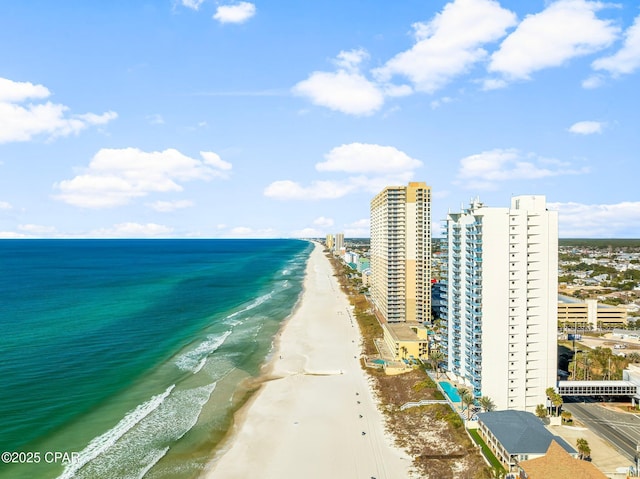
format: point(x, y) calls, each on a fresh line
point(309, 421)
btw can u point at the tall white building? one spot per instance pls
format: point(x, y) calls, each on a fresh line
point(502, 280)
point(401, 252)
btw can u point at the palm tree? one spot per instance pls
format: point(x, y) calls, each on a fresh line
point(467, 400)
point(549, 392)
point(566, 416)
point(404, 352)
point(555, 398)
point(462, 392)
point(541, 411)
point(435, 357)
point(583, 448)
point(487, 404)
point(557, 401)
point(633, 357)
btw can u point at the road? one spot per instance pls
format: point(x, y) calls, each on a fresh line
point(620, 429)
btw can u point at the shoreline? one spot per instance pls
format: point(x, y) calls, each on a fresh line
point(313, 413)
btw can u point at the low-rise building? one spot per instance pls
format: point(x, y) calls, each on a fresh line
point(406, 340)
point(515, 436)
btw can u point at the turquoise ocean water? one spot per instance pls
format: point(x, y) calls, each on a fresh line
point(128, 355)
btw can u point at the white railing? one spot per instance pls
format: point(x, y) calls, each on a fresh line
point(424, 402)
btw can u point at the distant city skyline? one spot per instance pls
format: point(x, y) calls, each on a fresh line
point(202, 118)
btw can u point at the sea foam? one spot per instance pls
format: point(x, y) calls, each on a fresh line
point(101, 443)
point(254, 304)
point(195, 359)
point(132, 454)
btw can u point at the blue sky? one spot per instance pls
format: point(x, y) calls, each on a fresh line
point(203, 118)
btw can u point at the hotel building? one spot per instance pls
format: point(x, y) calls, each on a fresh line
point(502, 279)
point(401, 253)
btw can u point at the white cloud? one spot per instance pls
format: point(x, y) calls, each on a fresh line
point(350, 60)
point(376, 183)
point(319, 190)
point(484, 170)
point(5, 205)
point(627, 59)
point(13, 235)
point(493, 84)
point(387, 164)
point(22, 122)
point(238, 13)
point(441, 101)
point(323, 222)
point(248, 232)
point(16, 92)
point(367, 158)
point(450, 44)
point(193, 4)
point(358, 229)
point(155, 119)
point(345, 91)
point(37, 230)
point(587, 127)
point(133, 230)
point(308, 233)
point(362, 223)
point(564, 30)
point(593, 81)
point(578, 220)
point(213, 159)
point(396, 90)
point(114, 177)
point(169, 206)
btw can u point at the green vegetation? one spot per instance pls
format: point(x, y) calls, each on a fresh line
point(454, 451)
point(487, 404)
point(487, 452)
point(595, 364)
point(427, 383)
point(446, 413)
point(596, 243)
point(583, 448)
point(566, 278)
point(569, 257)
point(555, 398)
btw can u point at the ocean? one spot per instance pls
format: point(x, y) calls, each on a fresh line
point(127, 358)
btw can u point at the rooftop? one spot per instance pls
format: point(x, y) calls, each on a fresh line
point(407, 331)
point(521, 432)
point(557, 464)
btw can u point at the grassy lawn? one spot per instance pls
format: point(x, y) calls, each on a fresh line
point(486, 451)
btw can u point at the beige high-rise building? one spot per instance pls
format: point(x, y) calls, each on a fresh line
point(329, 242)
point(401, 252)
point(339, 245)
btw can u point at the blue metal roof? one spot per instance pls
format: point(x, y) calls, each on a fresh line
point(521, 432)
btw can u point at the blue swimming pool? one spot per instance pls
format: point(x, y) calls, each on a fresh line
point(379, 361)
point(450, 391)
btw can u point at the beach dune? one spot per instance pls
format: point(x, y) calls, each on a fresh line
point(317, 416)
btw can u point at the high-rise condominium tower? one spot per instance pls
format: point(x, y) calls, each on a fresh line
point(401, 252)
point(329, 242)
point(339, 242)
point(502, 279)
